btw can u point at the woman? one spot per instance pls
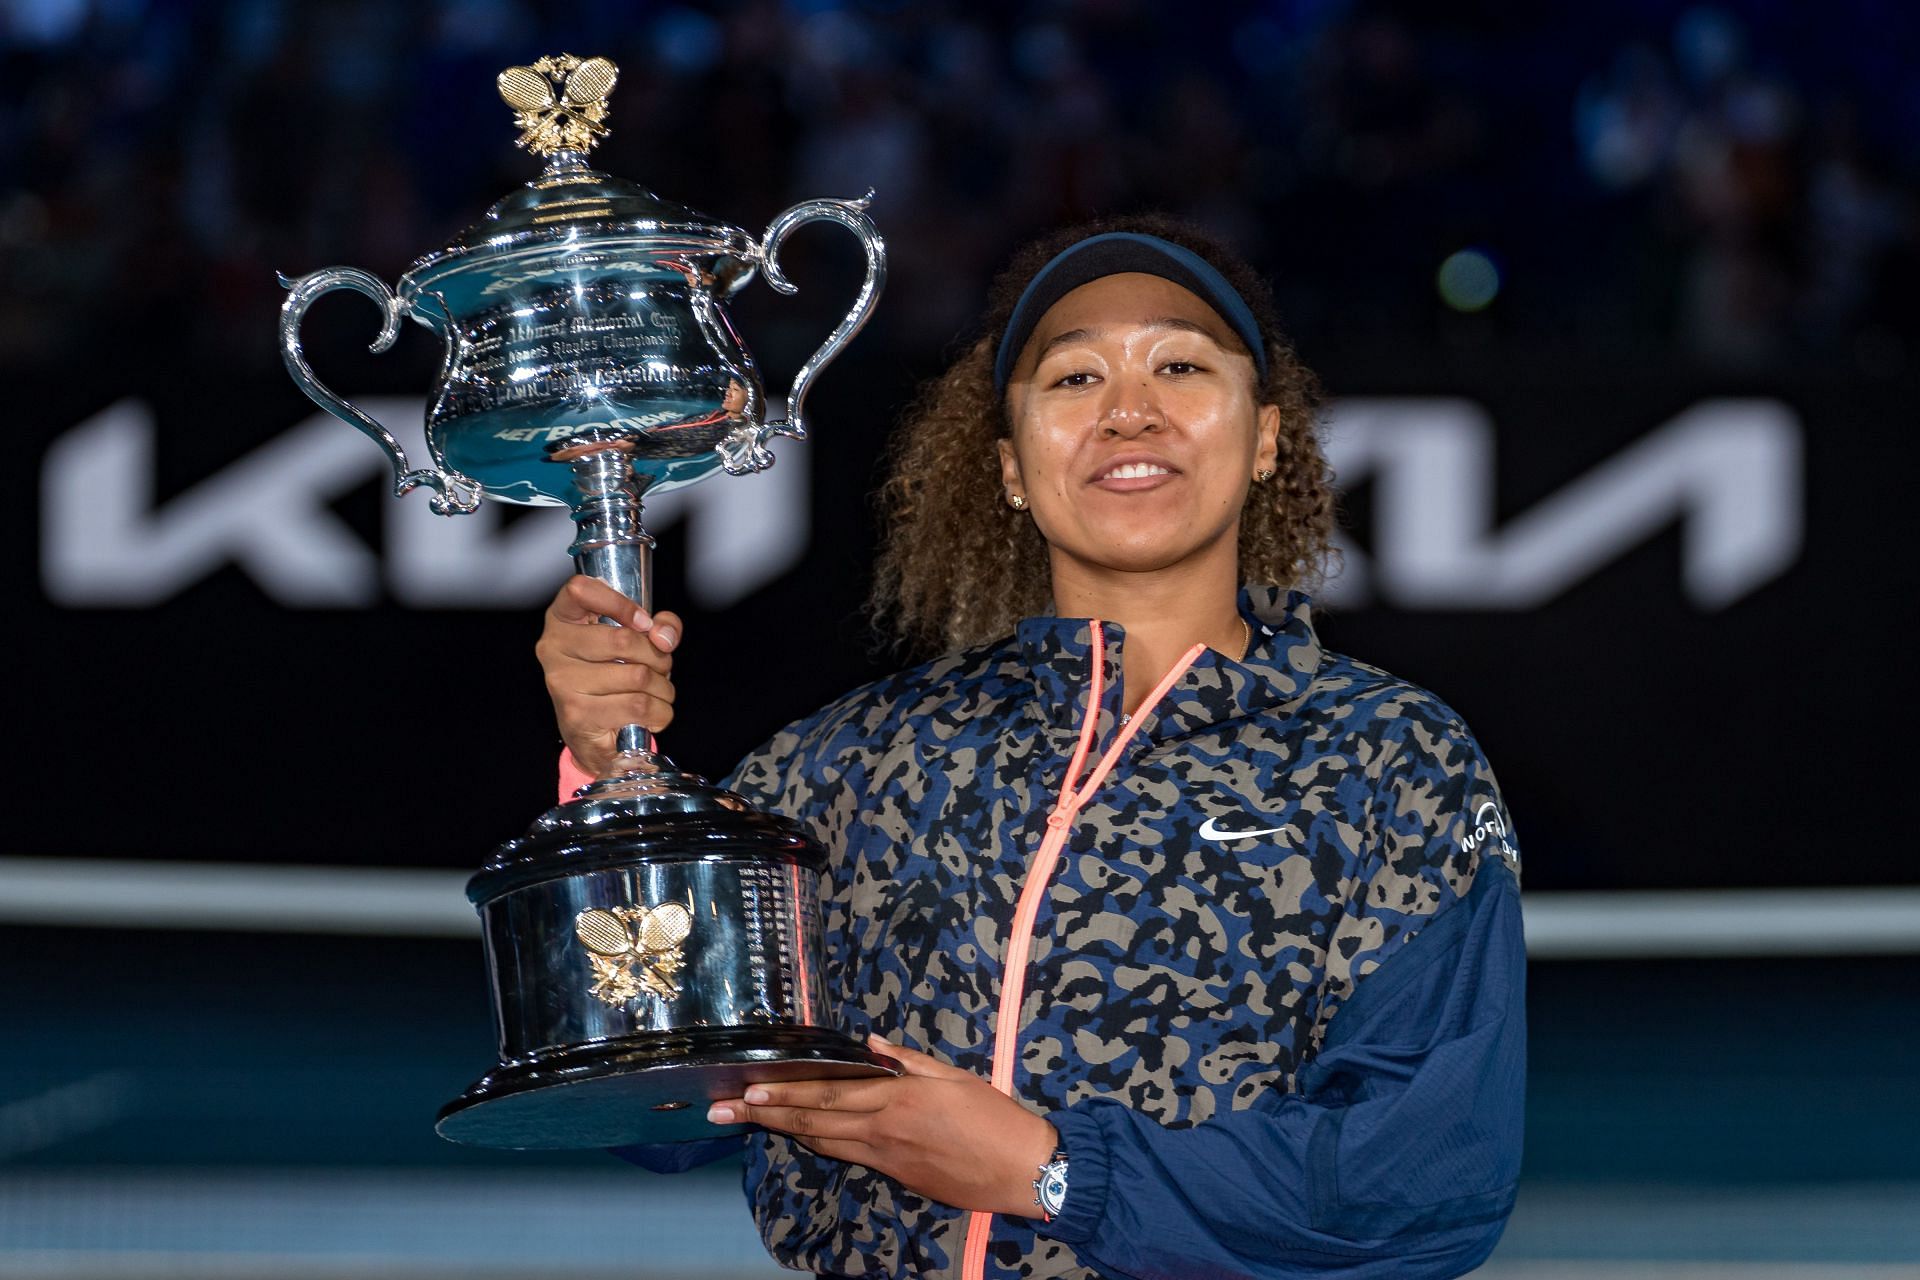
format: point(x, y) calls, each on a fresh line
point(1200, 943)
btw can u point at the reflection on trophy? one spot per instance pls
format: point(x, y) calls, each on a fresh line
point(654, 943)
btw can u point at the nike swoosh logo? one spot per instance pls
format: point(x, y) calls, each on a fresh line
point(1212, 830)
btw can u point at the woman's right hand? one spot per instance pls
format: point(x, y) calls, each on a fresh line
point(603, 678)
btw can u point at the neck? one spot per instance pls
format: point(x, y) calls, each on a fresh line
point(1165, 613)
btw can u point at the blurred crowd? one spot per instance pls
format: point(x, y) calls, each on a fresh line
point(1721, 186)
point(1790, 226)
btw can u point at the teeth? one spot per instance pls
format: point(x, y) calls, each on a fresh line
point(1136, 471)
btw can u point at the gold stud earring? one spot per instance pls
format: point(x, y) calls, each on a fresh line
point(1264, 474)
point(1017, 502)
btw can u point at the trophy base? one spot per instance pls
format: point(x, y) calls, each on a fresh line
point(643, 1089)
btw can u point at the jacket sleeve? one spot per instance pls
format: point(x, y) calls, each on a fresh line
point(1397, 1156)
point(678, 1157)
point(572, 776)
point(1396, 1151)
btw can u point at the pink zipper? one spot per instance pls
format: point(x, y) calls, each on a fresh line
point(1013, 983)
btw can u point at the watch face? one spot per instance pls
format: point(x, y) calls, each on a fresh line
point(1053, 1188)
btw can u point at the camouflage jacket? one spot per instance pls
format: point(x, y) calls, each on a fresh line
point(1273, 1004)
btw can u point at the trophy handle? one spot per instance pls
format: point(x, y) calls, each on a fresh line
point(748, 452)
point(453, 493)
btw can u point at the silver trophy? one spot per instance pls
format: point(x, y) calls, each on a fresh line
point(654, 943)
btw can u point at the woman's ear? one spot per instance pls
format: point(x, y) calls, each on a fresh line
point(1266, 450)
point(1010, 481)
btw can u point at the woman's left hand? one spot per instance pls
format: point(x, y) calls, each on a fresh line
point(937, 1130)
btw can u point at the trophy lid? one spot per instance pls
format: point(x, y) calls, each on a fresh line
point(560, 105)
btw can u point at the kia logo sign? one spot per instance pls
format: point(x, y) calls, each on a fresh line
point(105, 544)
point(1728, 471)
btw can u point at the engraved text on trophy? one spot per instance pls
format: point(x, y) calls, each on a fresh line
point(535, 352)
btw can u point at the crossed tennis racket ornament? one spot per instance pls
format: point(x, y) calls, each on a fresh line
point(635, 949)
point(559, 102)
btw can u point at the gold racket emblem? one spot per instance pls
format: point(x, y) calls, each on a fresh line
point(604, 932)
point(525, 89)
point(559, 103)
point(635, 950)
point(590, 82)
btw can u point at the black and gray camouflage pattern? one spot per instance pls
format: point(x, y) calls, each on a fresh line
point(1180, 975)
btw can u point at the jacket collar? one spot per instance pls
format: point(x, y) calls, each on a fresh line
point(1282, 662)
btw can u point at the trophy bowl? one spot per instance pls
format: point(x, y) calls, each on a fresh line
point(653, 944)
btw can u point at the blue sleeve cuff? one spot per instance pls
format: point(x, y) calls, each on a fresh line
point(678, 1157)
point(1089, 1173)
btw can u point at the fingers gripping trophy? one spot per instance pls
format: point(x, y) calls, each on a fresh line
point(653, 944)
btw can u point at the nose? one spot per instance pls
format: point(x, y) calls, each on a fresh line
point(1132, 409)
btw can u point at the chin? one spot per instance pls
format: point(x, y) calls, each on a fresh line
point(1141, 563)
point(1136, 558)
point(1136, 546)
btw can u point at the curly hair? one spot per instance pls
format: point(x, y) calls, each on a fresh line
point(958, 567)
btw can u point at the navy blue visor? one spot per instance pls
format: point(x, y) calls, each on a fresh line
point(1111, 254)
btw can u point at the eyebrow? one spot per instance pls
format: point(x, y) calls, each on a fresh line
point(1180, 323)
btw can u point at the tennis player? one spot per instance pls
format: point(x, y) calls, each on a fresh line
point(1200, 942)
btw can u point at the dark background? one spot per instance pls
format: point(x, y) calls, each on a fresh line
point(1683, 203)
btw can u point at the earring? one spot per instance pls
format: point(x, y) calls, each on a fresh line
point(1264, 474)
point(1017, 501)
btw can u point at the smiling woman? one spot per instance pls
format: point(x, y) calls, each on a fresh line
point(952, 572)
point(1136, 429)
point(1183, 927)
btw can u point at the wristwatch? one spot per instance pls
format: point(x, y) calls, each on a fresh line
point(1050, 1188)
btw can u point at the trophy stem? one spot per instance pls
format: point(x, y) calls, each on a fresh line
point(613, 545)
